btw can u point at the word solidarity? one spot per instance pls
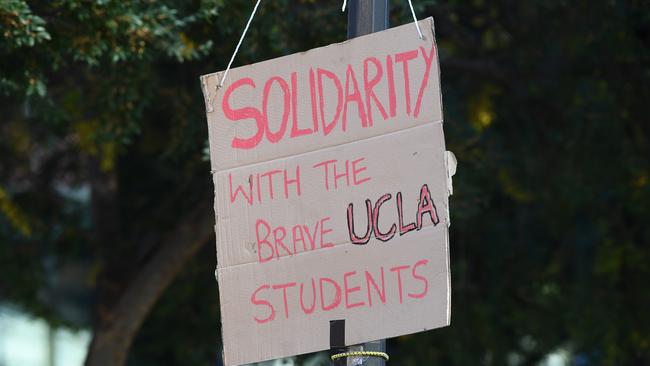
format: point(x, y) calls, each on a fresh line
point(345, 87)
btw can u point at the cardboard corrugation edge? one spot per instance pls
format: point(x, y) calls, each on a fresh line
point(448, 279)
point(208, 98)
point(442, 114)
point(448, 171)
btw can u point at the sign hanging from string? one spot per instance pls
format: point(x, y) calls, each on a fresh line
point(331, 194)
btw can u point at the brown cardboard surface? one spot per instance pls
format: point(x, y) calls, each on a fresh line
point(291, 200)
point(295, 332)
point(334, 58)
point(415, 153)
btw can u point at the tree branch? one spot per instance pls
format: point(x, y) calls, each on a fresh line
point(114, 335)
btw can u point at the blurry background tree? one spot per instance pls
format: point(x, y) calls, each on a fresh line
point(105, 192)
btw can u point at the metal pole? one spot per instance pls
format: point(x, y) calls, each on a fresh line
point(364, 17)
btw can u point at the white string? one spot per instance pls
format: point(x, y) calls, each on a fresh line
point(415, 20)
point(241, 39)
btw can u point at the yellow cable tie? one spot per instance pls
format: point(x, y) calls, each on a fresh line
point(360, 353)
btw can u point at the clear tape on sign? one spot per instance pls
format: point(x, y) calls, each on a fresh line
point(450, 166)
point(451, 163)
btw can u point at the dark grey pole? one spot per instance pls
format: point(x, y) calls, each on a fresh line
point(364, 17)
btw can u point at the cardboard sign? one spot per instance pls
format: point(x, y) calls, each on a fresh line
point(331, 186)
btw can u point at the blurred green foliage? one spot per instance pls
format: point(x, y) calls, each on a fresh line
point(545, 107)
